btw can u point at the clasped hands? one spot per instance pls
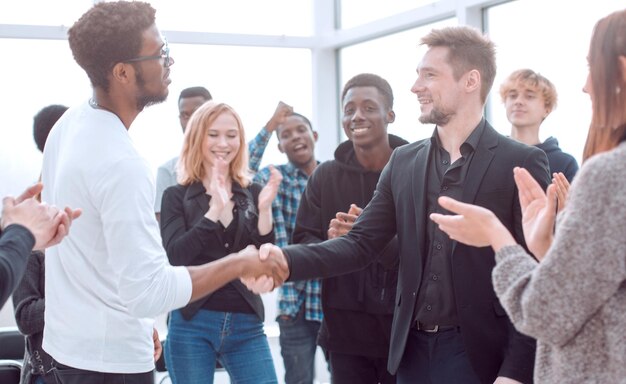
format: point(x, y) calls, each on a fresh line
point(264, 269)
point(48, 224)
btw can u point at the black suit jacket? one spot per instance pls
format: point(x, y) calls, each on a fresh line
point(494, 347)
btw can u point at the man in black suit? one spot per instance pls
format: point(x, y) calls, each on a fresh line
point(448, 324)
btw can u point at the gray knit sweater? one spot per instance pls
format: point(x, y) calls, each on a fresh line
point(574, 301)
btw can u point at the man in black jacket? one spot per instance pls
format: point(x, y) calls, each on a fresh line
point(448, 324)
point(358, 307)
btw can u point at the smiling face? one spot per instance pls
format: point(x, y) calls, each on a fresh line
point(365, 116)
point(525, 107)
point(438, 92)
point(222, 140)
point(297, 140)
point(151, 76)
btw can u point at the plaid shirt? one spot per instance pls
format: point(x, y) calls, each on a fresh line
point(291, 295)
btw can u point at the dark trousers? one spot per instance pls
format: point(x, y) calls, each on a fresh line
point(69, 375)
point(434, 358)
point(350, 369)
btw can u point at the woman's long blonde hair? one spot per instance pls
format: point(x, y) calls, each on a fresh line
point(608, 123)
point(190, 166)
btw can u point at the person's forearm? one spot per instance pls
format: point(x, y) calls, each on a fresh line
point(264, 224)
point(208, 278)
point(500, 237)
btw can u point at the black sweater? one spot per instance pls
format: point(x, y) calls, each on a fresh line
point(16, 242)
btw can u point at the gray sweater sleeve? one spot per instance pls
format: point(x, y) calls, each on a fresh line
point(552, 300)
point(16, 242)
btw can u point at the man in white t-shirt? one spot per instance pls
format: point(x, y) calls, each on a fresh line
point(110, 277)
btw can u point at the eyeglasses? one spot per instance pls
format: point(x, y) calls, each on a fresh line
point(165, 55)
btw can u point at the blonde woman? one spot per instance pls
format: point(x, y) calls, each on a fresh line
point(573, 300)
point(215, 210)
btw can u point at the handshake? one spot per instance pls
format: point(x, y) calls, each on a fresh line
point(263, 269)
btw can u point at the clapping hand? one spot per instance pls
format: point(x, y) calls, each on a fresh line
point(343, 222)
point(269, 191)
point(562, 189)
point(472, 225)
point(538, 212)
point(48, 224)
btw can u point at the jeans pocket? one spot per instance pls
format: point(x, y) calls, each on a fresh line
point(286, 320)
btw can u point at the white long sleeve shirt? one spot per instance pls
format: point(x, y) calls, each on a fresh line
point(110, 277)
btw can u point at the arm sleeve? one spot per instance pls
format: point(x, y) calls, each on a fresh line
point(181, 243)
point(256, 148)
point(583, 268)
point(148, 285)
point(16, 243)
point(28, 298)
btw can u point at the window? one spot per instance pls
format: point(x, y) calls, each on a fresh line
point(358, 12)
point(552, 40)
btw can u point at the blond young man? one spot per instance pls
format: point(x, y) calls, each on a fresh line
point(529, 98)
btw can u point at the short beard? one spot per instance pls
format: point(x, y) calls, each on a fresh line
point(146, 100)
point(436, 117)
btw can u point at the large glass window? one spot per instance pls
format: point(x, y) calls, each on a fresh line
point(251, 79)
point(267, 17)
point(42, 12)
point(358, 12)
point(551, 39)
point(394, 58)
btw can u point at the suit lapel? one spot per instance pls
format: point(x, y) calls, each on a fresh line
point(481, 160)
point(419, 176)
point(480, 163)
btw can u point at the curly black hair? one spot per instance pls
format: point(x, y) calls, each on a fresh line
point(109, 33)
point(43, 122)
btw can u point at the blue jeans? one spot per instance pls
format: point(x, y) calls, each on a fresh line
point(298, 342)
point(237, 340)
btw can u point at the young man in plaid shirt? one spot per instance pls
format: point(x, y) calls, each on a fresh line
point(299, 303)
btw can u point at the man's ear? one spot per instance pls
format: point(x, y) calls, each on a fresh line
point(280, 148)
point(121, 73)
point(391, 116)
point(315, 136)
point(472, 82)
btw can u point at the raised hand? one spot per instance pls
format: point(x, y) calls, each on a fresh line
point(282, 111)
point(343, 222)
point(473, 225)
point(562, 189)
point(538, 212)
point(269, 191)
